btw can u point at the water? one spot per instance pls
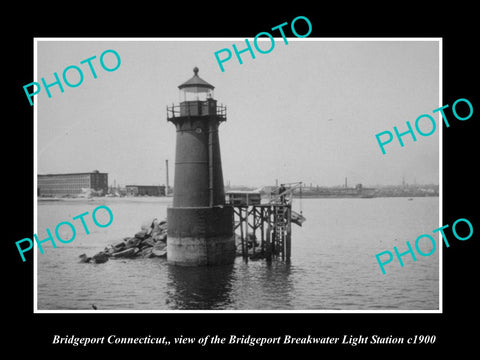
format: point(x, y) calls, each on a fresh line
point(333, 263)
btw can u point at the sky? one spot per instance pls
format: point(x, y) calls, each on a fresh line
point(307, 111)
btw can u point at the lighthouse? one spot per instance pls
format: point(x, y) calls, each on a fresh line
point(200, 226)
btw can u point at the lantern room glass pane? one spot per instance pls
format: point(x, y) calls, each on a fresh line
point(195, 94)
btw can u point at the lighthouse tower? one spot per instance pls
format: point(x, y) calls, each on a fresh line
point(200, 226)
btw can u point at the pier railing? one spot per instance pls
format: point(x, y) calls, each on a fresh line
point(285, 195)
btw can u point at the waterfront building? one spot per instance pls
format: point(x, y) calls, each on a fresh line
point(72, 184)
point(145, 190)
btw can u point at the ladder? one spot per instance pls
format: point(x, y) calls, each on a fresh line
point(280, 221)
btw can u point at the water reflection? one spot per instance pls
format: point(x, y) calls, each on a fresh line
point(262, 286)
point(199, 288)
point(277, 282)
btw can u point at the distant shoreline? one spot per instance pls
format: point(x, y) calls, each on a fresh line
point(163, 199)
point(362, 197)
point(106, 198)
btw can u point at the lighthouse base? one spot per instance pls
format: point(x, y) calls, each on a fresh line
point(200, 236)
point(190, 251)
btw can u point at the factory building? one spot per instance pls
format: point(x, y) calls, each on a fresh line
point(72, 184)
point(145, 190)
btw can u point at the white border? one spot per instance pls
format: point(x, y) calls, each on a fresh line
point(35, 177)
point(440, 174)
point(440, 103)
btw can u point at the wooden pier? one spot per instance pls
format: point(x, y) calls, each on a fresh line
point(264, 230)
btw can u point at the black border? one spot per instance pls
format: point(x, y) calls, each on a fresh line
point(453, 329)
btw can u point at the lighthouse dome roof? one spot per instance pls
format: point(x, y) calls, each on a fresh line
point(196, 83)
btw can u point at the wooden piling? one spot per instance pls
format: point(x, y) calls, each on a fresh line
point(242, 238)
point(270, 225)
point(254, 240)
point(288, 245)
point(262, 235)
point(268, 253)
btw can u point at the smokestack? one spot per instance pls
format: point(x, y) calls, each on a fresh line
point(167, 187)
